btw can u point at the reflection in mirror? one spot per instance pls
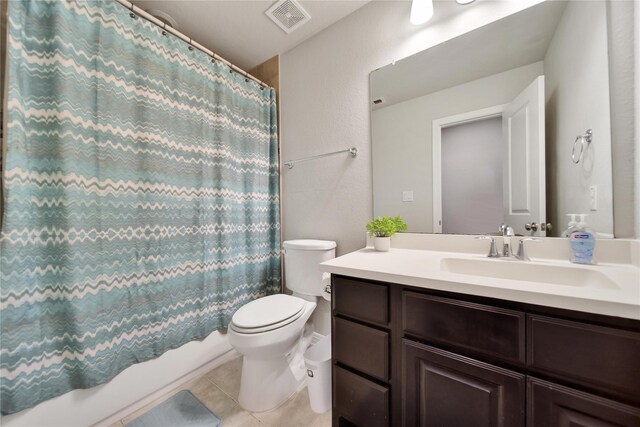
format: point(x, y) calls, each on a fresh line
point(479, 130)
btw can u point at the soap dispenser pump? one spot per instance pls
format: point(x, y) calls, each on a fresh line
point(571, 227)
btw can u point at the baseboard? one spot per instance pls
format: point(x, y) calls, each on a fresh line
point(221, 360)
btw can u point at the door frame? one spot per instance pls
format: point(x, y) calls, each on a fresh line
point(437, 126)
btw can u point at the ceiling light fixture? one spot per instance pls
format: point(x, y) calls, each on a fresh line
point(464, 1)
point(163, 17)
point(421, 11)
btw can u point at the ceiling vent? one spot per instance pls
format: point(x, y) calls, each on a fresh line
point(288, 15)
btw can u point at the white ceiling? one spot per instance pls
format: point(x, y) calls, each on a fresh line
point(240, 32)
point(514, 41)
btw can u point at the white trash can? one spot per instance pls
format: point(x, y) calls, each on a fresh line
point(318, 361)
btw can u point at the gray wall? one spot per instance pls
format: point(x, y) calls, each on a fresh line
point(402, 133)
point(472, 177)
point(577, 90)
point(625, 131)
point(636, 147)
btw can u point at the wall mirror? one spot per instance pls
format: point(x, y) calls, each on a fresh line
point(509, 123)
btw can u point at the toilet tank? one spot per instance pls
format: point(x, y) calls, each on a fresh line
point(302, 260)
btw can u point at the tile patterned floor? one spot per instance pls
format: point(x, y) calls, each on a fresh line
point(218, 391)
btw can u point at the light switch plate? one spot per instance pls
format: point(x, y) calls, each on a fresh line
point(593, 191)
point(407, 196)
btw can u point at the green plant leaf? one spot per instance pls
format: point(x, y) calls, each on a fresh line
point(385, 226)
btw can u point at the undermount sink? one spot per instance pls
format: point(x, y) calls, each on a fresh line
point(516, 270)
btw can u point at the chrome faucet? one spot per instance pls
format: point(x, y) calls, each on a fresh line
point(521, 255)
point(493, 252)
point(507, 233)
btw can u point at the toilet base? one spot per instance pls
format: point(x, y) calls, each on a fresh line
point(266, 383)
point(273, 362)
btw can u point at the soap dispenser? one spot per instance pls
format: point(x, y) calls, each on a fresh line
point(583, 242)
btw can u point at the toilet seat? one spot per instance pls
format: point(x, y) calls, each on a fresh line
point(267, 313)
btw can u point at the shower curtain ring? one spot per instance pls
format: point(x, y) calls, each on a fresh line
point(132, 13)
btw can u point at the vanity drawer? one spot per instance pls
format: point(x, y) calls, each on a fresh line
point(361, 300)
point(491, 331)
point(362, 348)
point(358, 400)
point(590, 355)
point(551, 405)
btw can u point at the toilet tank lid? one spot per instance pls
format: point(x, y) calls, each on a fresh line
point(309, 245)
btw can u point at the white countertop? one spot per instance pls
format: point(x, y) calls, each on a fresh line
point(423, 269)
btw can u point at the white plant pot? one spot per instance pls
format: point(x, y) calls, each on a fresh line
point(382, 244)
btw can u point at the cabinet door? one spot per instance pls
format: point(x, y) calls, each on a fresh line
point(552, 405)
point(445, 389)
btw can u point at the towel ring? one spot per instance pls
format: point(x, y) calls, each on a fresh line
point(583, 142)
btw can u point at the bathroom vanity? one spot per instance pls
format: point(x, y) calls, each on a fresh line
point(419, 345)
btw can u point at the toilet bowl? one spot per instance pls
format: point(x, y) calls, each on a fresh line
point(267, 379)
point(268, 331)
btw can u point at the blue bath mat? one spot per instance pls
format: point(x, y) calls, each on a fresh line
point(181, 410)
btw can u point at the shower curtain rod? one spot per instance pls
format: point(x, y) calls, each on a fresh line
point(135, 10)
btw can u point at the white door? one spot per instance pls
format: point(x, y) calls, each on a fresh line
point(523, 166)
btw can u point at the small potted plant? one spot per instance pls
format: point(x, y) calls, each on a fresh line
point(382, 228)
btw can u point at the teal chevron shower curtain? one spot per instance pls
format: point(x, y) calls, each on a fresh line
point(140, 191)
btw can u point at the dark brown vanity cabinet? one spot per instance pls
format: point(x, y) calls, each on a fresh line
point(553, 405)
point(361, 353)
point(405, 356)
point(445, 389)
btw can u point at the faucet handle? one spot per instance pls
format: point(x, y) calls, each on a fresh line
point(493, 251)
point(521, 255)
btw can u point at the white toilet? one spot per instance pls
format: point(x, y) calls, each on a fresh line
point(267, 331)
